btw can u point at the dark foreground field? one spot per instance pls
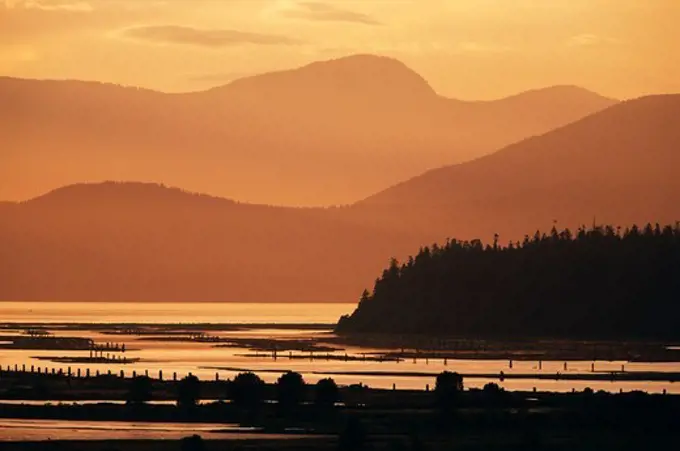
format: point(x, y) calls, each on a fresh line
point(366, 419)
point(461, 440)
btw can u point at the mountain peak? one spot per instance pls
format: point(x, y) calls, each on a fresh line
point(363, 64)
point(116, 192)
point(561, 95)
point(362, 76)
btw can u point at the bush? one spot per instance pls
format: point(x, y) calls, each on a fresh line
point(188, 392)
point(447, 389)
point(290, 389)
point(192, 443)
point(326, 393)
point(247, 390)
point(140, 390)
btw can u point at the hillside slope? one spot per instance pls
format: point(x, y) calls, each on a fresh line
point(140, 241)
point(131, 241)
point(327, 133)
point(617, 166)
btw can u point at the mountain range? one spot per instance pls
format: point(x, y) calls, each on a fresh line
point(141, 241)
point(617, 166)
point(327, 133)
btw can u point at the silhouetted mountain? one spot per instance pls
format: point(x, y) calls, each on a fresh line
point(327, 133)
point(146, 242)
point(596, 283)
point(353, 82)
point(617, 166)
point(136, 241)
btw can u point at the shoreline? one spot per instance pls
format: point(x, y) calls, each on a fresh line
point(370, 347)
point(613, 376)
point(482, 418)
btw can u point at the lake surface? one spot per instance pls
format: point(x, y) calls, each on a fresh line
point(207, 361)
point(29, 430)
point(172, 312)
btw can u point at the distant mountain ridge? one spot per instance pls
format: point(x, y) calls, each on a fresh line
point(616, 166)
point(361, 77)
point(102, 194)
point(327, 133)
point(143, 241)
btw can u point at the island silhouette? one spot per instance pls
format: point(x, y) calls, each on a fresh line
point(593, 283)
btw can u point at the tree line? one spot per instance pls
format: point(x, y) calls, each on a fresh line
point(599, 282)
point(246, 390)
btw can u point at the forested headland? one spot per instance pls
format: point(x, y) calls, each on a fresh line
point(600, 282)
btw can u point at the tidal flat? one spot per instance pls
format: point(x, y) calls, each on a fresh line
point(214, 351)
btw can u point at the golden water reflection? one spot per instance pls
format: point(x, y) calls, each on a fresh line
point(207, 361)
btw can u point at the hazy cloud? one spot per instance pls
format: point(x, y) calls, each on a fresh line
point(22, 21)
point(176, 34)
point(327, 12)
point(589, 40)
point(49, 5)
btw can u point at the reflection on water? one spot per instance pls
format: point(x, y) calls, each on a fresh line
point(171, 312)
point(25, 430)
point(201, 358)
point(89, 402)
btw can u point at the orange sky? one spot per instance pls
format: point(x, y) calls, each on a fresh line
point(470, 49)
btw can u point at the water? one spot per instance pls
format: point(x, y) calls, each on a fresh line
point(89, 402)
point(207, 361)
point(33, 430)
point(171, 312)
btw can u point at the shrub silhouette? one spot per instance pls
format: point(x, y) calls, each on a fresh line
point(192, 443)
point(492, 388)
point(247, 390)
point(140, 390)
point(447, 389)
point(290, 389)
point(494, 394)
point(188, 392)
point(326, 393)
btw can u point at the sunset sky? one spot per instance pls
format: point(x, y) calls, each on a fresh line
point(469, 49)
